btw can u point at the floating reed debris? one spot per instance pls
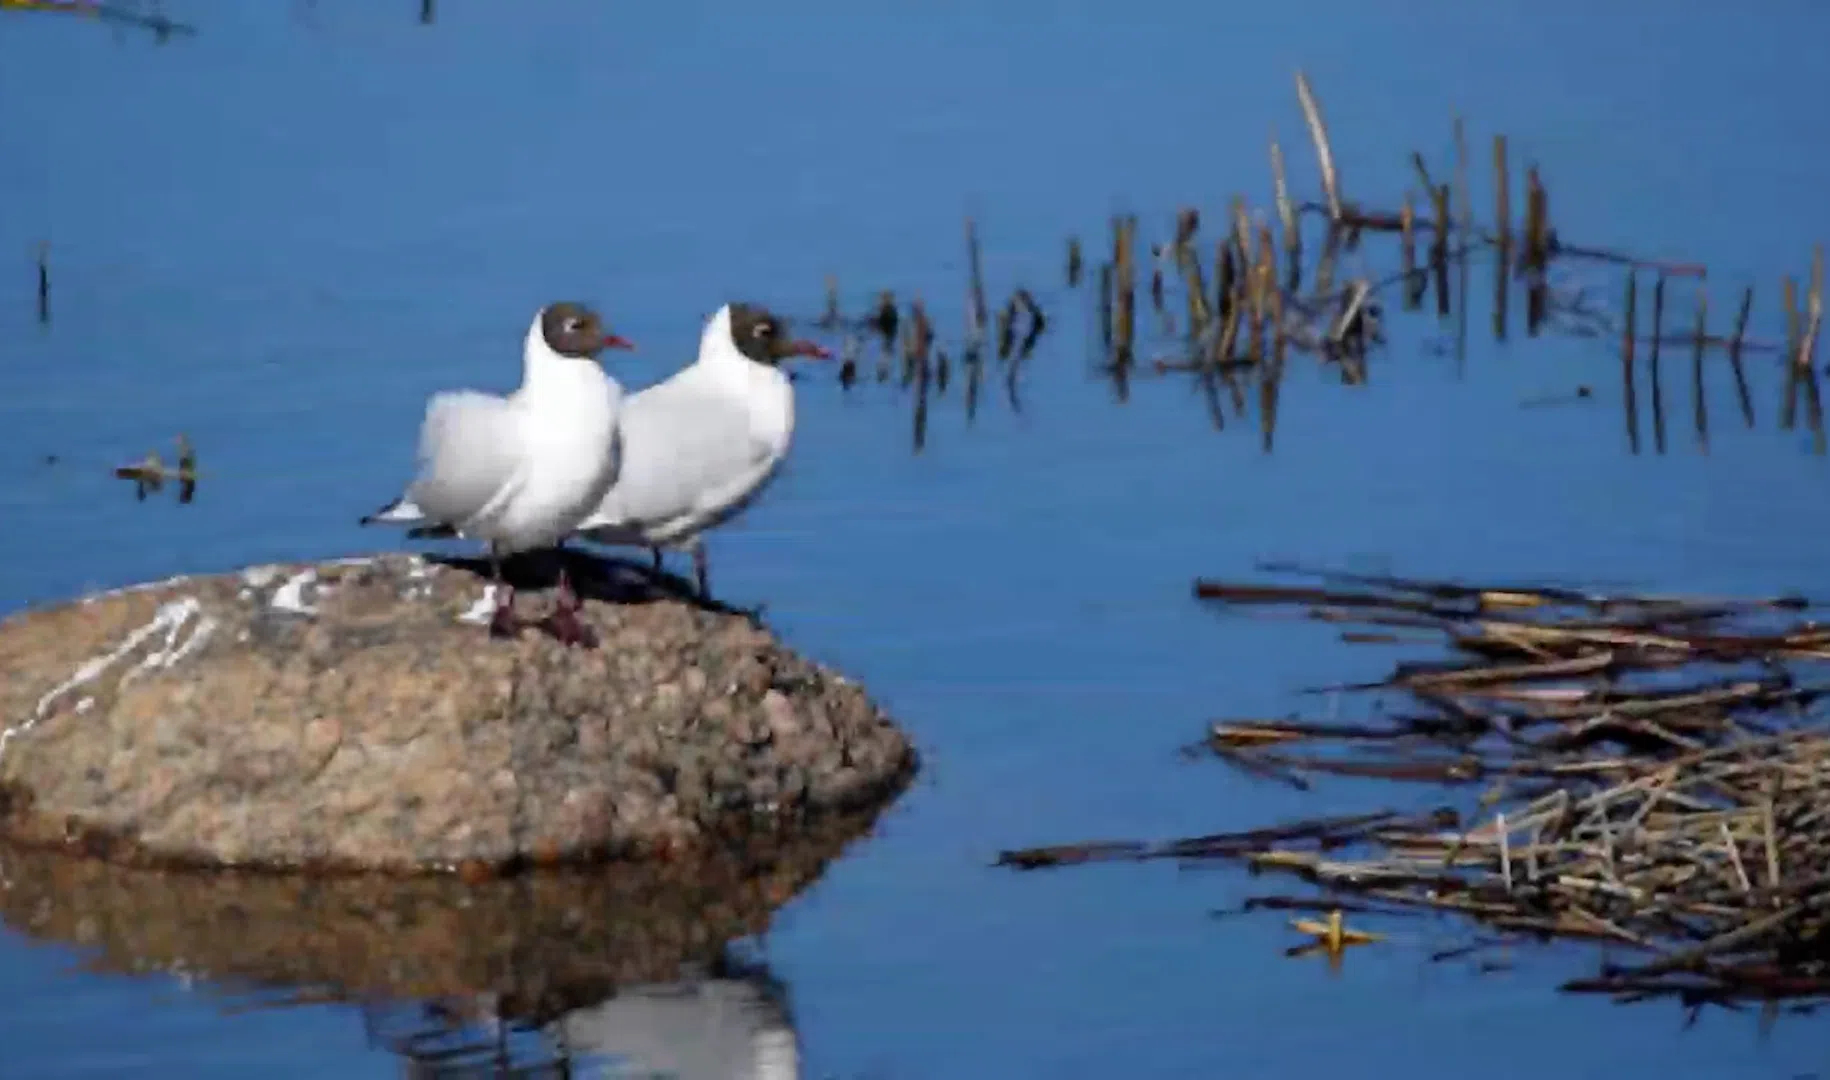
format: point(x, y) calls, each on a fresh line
point(161, 27)
point(150, 473)
point(1656, 775)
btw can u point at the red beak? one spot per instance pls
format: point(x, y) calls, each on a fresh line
point(617, 341)
point(808, 348)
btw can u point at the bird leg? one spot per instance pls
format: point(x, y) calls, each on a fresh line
point(563, 621)
point(702, 570)
point(503, 622)
point(702, 576)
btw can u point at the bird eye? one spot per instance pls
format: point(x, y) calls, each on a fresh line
point(573, 325)
point(763, 330)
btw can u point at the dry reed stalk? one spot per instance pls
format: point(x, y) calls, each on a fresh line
point(1502, 198)
point(1734, 357)
point(1324, 156)
point(1699, 401)
point(1629, 389)
point(1658, 384)
point(1788, 411)
point(1413, 281)
point(1464, 229)
point(1807, 349)
point(1286, 216)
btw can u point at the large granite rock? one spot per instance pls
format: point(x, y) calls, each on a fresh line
point(354, 715)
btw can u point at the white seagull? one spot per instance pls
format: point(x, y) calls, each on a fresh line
point(521, 472)
point(699, 447)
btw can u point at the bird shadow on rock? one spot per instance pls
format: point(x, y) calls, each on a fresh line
point(607, 579)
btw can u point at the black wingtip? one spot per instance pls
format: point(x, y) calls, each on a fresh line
point(375, 515)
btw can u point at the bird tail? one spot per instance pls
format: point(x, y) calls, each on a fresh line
point(399, 512)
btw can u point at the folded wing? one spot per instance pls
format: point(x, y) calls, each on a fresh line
point(470, 457)
point(688, 461)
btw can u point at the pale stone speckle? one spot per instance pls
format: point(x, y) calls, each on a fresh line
point(290, 596)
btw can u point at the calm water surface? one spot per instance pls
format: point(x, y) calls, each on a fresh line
point(282, 234)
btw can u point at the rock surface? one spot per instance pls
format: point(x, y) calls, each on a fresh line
point(354, 715)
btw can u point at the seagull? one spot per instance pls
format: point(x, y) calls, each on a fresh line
point(521, 472)
point(699, 447)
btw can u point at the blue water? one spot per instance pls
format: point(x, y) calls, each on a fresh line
point(281, 234)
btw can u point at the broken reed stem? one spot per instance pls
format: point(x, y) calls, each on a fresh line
point(1259, 301)
point(1324, 266)
point(44, 283)
point(1629, 389)
point(1413, 281)
point(1502, 197)
point(1439, 249)
point(1271, 378)
point(1227, 295)
point(1788, 412)
point(1194, 283)
point(1734, 357)
point(1241, 224)
point(1464, 227)
point(1658, 389)
point(1286, 216)
point(1698, 401)
point(1007, 328)
point(1106, 288)
point(977, 313)
point(1807, 350)
point(920, 342)
point(1125, 307)
point(1536, 253)
point(1318, 134)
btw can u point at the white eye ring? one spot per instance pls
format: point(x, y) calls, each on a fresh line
point(760, 330)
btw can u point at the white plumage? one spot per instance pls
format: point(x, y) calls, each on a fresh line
point(521, 472)
point(700, 447)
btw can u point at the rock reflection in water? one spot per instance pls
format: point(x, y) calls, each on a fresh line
point(542, 972)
